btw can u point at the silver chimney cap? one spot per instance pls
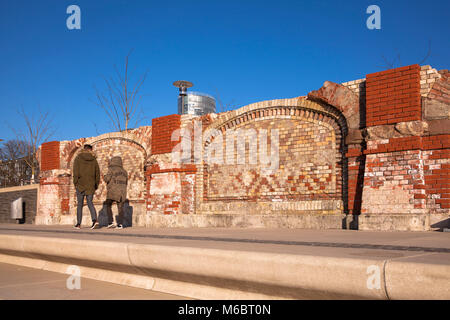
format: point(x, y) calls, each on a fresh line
point(183, 85)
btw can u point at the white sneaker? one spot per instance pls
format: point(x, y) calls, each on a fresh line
point(119, 226)
point(111, 226)
point(95, 225)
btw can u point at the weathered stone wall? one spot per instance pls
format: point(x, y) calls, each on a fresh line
point(392, 182)
point(303, 168)
point(58, 201)
point(428, 77)
point(375, 149)
point(407, 146)
point(437, 179)
point(169, 183)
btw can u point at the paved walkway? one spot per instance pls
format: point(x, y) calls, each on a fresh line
point(300, 241)
point(311, 263)
point(22, 283)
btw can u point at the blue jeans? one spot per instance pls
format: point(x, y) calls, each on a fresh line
point(80, 202)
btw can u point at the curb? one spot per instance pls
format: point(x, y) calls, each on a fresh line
point(230, 274)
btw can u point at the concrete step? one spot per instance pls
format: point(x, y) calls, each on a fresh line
point(205, 267)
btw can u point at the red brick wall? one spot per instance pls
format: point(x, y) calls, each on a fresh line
point(50, 156)
point(411, 181)
point(171, 190)
point(409, 143)
point(415, 171)
point(356, 168)
point(64, 195)
point(187, 193)
point(392, 183)
point(393, 96)
point(162, 129)
point(437, 180)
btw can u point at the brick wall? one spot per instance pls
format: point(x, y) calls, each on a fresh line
point(133, 159)
point(392, 125)
point(407, 145)
point(105, 147)
point(413, 181)
point(57, 203)
point(307, 174)
point(393, 96)
point(392, 183)
point(162, 130)
point(356, 164)
point(307, 167)
point(440, 89)
point(437, 180)
point(357, 86)
point(170, 190)
point(428, 77)
point(50, 155)
point(52, 200)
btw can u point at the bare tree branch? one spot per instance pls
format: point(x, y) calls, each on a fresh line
point(428, 53)
point(122, 99)
point(223, 107)
point(391, 65)
point(38, 130)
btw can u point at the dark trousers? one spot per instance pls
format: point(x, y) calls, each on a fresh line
point(80, 203)
point(120, 204)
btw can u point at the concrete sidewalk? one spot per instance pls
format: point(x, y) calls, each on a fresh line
point(221, 263)
point(22, 283)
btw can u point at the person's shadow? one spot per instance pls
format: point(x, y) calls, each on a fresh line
point(127, 215)
point(444, 224)
point(102, 218)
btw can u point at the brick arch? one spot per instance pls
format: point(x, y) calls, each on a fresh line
point(127, 137)
point(288, 183)
point(280, 107)
point(70, 150)
point(105, 146)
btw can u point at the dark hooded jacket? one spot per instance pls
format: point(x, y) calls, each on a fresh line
point(116, 180)
point(86, 172)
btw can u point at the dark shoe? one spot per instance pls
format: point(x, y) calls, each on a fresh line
point(95, 225)
point(119, 226)
point(77, 226)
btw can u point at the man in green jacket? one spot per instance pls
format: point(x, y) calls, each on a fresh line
point(116, 183)
point(86, 178)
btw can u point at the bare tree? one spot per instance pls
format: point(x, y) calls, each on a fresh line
point(391, 64)
point(122, 98)
point(14, 170)
point(223, 107)
point(38, 129)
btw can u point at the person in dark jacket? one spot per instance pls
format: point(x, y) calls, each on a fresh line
point(116, 180)
point(86, 178)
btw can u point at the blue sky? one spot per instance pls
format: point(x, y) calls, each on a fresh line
point(245, 51)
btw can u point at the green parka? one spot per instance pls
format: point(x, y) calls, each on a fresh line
point(116, 180)
point(86, 172)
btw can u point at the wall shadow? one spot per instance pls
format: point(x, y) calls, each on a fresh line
point(442, 224)
point(102, 216)
point(127, 221)
point(350, 222)
point(127, 214)
point(24, 211)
